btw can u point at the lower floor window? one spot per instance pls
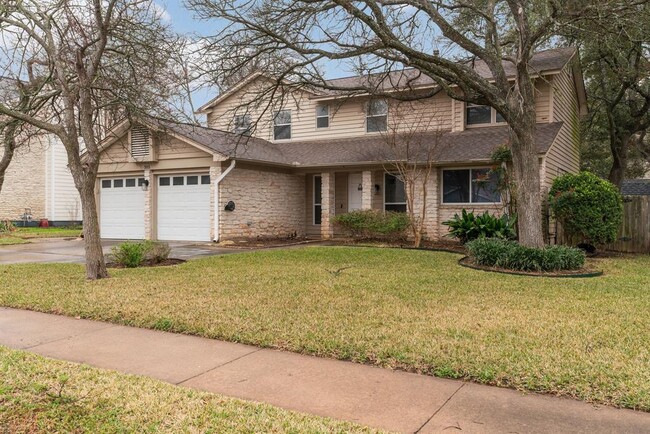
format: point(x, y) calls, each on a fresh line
point(470, 186)
point(317, 199)
point(394, 193)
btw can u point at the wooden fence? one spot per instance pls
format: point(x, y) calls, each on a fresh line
point(634, 234)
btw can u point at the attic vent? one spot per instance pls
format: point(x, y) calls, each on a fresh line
point(139, 142)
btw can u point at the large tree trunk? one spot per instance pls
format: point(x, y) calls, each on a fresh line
point(95, 264)
point(619, 147)
point(526, 174)
point(8, 150)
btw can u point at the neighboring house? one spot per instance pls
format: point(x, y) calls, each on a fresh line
point(313, 155)
point(635, 187)
point(38, 183)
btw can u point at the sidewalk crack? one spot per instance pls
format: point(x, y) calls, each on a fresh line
point(217, 367)
point(438, 410)
point(108, 326)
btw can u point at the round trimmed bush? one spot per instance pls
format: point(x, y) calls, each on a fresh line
point(588, 207)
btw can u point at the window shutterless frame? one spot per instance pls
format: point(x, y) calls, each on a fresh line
point(322, 116)
point(470, 186)
point(282, 125)
point(317, 193)
point(376, 115)
point(392, 205)
point(482, 115)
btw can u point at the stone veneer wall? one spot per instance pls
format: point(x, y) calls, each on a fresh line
point(24, 185)
point(267, 204)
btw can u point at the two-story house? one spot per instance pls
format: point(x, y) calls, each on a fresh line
point(273, 164)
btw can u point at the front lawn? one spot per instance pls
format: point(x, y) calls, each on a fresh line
point(407, 309)
point(8, 240)
point(51, 232)
point(45, 395)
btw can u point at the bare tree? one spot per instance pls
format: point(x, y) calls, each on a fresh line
point(409, 148)
point(478, 52)
point(92, 60)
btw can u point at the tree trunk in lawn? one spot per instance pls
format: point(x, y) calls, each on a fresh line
point(9, 147)
point(95, 264)
point(619, 147)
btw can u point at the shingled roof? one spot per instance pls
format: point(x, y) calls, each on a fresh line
point(471, 145)
point(542, 61)
point(635, 187)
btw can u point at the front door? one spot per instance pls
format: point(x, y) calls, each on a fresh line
point(354, 191)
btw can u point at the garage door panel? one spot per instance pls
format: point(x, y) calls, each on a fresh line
point(121, 209)
point(183, 210)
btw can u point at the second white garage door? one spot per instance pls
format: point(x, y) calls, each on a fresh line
point(184, 207)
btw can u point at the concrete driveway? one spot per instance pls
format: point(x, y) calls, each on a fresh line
point(72, 251)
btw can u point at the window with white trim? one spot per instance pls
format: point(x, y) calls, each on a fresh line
point(482, 115)
point(282, 125)
point(480, 185)
point(242, 124)
point(322, 116)
point(394, 193)
point(317, 198)
point(376, 115)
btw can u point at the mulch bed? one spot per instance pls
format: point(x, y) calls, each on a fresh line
point(583, 272)
point(165, 263)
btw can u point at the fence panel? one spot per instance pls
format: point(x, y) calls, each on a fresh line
point(634, 234)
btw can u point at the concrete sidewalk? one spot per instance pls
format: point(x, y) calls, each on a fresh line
point(381, 398)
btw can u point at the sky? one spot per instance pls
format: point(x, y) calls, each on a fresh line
point(184, 21)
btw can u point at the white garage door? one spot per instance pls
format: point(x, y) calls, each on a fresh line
point(184, 207)
point(121, 204)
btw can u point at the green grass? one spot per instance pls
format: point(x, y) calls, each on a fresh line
point(51, 232)
point(44, 395)
point(406, 309)
point(7, 240)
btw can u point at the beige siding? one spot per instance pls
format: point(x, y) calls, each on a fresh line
point(564, 154)
point(267, 204)
point(171, 154)
point(347, 117)
point(62, 199)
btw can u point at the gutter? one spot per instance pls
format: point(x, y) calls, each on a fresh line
point(216, 199)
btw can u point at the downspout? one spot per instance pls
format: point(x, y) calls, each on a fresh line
point(216, 198)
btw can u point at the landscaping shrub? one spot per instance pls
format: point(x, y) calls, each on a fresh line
point(132, 254)
point(467, 227)
point(589, 208)
point(7, 226)
point(374, 224)
point(494, 252)
point(157, 251)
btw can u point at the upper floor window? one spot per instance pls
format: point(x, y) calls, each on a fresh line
point(470, 186)
point(242, 124)
point(377, 116)
point(482, 115)
point(322, 116)
point(282, 125)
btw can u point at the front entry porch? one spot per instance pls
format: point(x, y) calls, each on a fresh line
point(330, 193)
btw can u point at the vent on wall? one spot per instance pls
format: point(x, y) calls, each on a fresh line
point(140, 149)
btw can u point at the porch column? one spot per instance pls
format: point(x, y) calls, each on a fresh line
point(215, 171)
point(368, 189)
point(328, 205)
point(148, 206)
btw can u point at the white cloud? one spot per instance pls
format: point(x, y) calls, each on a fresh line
point(161, 12)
